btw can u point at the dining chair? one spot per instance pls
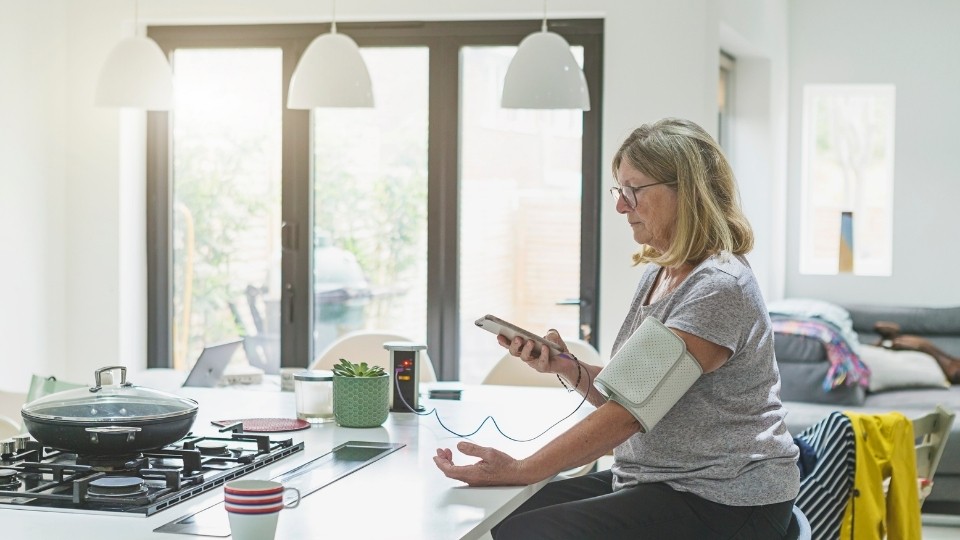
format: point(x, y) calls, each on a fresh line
point(8, 428)
point(931, 432)
point(10, 403)
point(824, 492)
point(367, 346)
point(799, 527)
point(509, 371)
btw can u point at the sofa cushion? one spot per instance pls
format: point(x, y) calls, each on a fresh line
point(892, 370)
point(940, 325)
point(803, 381)
point(803, 365)
point(912, 320)
point(798, 348)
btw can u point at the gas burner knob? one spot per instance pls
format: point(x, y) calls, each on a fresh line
point(20, 442)
point(7, 447)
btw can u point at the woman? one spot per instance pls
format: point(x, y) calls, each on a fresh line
point(720, 463)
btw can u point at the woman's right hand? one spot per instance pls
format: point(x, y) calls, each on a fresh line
point(538, 357)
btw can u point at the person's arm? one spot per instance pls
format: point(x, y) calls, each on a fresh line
point(580, 376)
point(582, 380)
point(708, 354)
point(592, 437)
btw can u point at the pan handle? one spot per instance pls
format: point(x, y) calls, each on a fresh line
point(95, 432)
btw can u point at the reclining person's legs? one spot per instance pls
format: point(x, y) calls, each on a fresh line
point(891, 338)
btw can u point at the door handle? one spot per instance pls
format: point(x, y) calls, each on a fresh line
point(570, 302)
point(289, 235)
point(288, 292)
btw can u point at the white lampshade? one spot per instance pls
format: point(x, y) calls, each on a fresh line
point(544, 75)
point(331, 73)
point(136, 74)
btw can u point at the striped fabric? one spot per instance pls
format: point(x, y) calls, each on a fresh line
point(825, 491)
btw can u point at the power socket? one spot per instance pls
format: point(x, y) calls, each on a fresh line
point(405, 370)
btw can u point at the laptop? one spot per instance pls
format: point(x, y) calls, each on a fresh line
point(212, 363)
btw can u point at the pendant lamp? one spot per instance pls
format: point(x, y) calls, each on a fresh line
point(331, 73)
point(136, 74)
point(543, 74)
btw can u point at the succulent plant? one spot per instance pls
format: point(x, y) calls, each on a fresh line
point(347, 368)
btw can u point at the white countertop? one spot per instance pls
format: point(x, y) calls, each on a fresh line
point(403, 495)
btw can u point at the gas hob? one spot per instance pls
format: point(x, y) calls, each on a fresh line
point(36, 478)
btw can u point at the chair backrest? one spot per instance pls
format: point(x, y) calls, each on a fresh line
point(931, 431)
point(10, 403)
point(799, 527)
point(367, 346)
point(584, 351)
point(8, 428)
point(510, 371)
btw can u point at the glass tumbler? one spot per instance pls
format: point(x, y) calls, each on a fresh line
point(314, 394)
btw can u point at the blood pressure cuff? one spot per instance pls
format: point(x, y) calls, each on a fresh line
point(650, 373)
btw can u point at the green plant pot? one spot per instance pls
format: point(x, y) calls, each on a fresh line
point(361, 402)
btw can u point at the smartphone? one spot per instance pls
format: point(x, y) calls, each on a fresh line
point(444, 393)
point(498, 326)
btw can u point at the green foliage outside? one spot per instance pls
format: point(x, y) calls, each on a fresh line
point(380, 218)
point(223, 211)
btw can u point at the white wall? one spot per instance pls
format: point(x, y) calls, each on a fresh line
point(32, 184)
point(913, 45)
point(753, 32)
point(660, 60)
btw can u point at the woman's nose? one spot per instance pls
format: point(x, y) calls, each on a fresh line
point(622, 206)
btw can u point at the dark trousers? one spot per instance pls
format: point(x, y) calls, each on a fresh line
point(587, 507)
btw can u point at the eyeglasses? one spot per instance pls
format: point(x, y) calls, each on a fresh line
point(629, 193)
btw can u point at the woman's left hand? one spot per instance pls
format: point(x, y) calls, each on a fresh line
point(495, 468)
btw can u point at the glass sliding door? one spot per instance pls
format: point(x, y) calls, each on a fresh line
point(226, 200)
point(370, 204)
point(291, 228)
point(520, 208)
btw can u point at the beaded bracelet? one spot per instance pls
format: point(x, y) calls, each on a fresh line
point(579, 372)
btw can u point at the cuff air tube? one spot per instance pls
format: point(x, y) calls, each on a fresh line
point(650, 373)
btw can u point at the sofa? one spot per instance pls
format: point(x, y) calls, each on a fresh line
point(803, 365)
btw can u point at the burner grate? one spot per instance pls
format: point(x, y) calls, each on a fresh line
point(139, 485)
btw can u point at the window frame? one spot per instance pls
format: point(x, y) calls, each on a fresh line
point(807, 263)
point(444, 39)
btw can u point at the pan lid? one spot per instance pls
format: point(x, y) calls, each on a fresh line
point(109, 400)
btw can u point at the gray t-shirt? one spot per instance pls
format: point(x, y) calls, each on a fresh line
point(725, 439)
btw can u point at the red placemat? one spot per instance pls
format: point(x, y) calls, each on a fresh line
point(266, 425)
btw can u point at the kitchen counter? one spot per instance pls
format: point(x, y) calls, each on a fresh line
point(403, 495)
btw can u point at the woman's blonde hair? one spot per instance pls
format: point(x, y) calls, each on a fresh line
point(709, 218)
